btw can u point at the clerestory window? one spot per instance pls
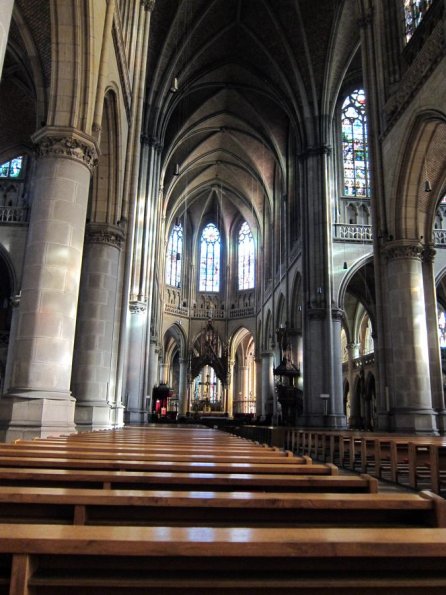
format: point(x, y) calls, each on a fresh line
point(354, 145)
point(12, 169)
point(245, 257)
point(210, 256)
point(174, 256)
point(414, 11)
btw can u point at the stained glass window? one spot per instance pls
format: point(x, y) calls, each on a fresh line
point(441, 326)
point(174, 256)
point(414, 11)
point(210, 259)
point(11, 169)
point(354, 145)
point(245, 258)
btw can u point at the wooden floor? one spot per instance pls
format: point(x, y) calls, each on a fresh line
point(194, 510)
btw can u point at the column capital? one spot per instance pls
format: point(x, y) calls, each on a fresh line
point(136, 307)
point(315, 151)
point(429, 253)
point(66, 143)
point(149, 5)
point(103, 233)
point(337, 314)
point(403, 249)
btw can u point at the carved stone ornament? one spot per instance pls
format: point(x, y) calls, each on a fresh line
point(137, 307)
point(110, 235)
point(429, 253)
point(403, 250)
point(430, 54)
point(66, 143)
point(148, 4)
point(315, 151)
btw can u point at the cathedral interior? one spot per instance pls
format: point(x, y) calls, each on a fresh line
point(232, 209)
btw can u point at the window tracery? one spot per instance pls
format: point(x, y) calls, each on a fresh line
point(210, 256)
point(245, 257)
point(354, 145)
point(174, 256)
point(12, 169)
point(414, 11)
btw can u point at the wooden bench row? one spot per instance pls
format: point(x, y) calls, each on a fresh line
point(44, 560)
point(414, 461)
point(213, 508)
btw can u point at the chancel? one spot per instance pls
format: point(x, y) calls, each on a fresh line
point(231, 213)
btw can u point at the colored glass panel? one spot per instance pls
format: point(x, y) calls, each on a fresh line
point(11, 169)
point(354, 145)
point(245, 257)
point(174, 256)
point(210, 259)
point(414, 11)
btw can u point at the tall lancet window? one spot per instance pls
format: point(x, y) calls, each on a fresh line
point(210, 247)
point(174, 256)
point(354, 146)
point(245, 257)
point(414, 11)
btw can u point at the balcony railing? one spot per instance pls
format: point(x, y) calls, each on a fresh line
point(353, 232)
point(13, 215)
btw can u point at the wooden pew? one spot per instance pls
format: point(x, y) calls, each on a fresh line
point(201, 508)
point(48, 559)
point(90, 478)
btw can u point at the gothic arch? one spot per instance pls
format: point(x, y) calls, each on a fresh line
point(423, 161)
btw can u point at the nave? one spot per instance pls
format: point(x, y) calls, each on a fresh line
point(190, 509)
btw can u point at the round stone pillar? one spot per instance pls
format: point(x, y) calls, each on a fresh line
point(354, 420)
point(39, 401)
point(269, 397)
point(93, 365)
point(182, 387)
point(410, 390)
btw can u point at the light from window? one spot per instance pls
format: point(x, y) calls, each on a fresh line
point(441, 327)
point(245, 258)
point(11, 169)
point(354, 145)
point(174, 256)
point(414, 11)
point(210, 259)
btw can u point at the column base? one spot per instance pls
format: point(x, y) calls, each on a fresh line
point(92, 415)
point(35, 417)
point(338, 422)
point(135, 416)
point(441, 421)
point(414, 421)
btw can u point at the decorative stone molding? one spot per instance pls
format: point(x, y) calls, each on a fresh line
point(149, 5)
point(429, 253)
point(316, 313)
point(118, 41)
point(111, 235)
point(403, 249)
point(315, 151)
point(66, 143)
point(137, 307)
point(424, 63)
point(337, 314)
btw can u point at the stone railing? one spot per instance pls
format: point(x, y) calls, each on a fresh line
point(242, 312)
point(176, 310)
point(14, 215)
point(352, 232)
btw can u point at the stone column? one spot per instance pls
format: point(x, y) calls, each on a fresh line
point(5, 21)
point(269, 397)
point(229, 406)
point(39, 401)
point(153, 371)
point(410, 389)
point(164, 373)
point(337, 418)
point(244, 382)
point(436, 374)
point(355, 420)
point(135, 405)
point(260, 410)
point(93, 370)
point(182, 388)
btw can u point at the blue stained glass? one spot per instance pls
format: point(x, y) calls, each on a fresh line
point(354, 145)
point(11, 169)
point(174, 256)
point(210, 245)
point(414, 11)
point(245, 257)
